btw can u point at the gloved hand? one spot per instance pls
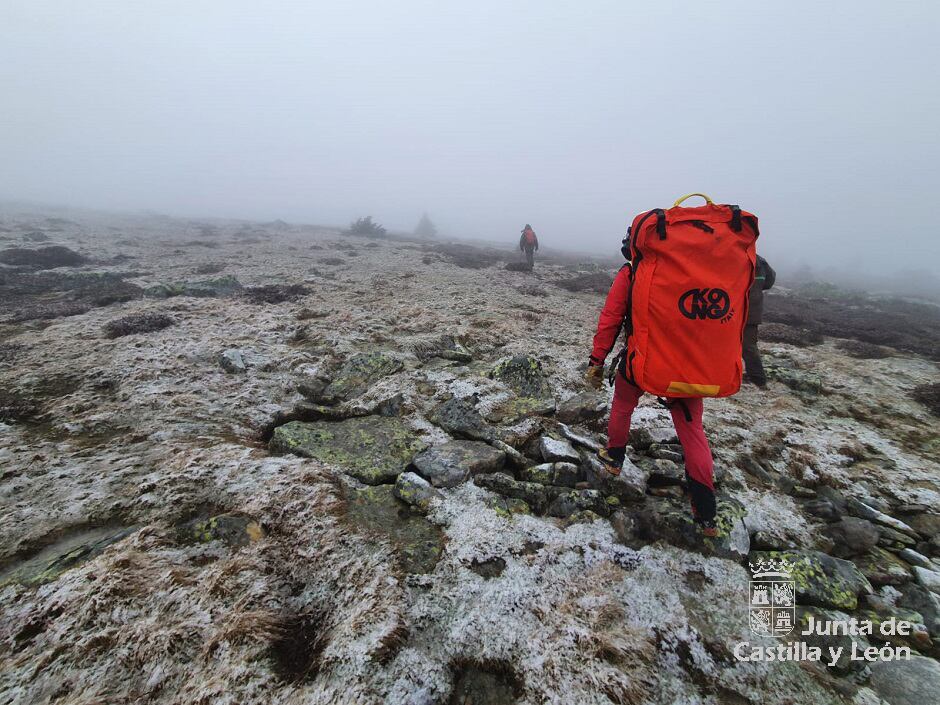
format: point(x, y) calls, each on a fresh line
point(594, 376)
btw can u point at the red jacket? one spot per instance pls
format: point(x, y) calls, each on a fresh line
point(611, 319)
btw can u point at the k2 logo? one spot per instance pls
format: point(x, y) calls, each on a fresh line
point(704, 303)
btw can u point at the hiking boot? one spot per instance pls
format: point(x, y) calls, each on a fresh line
point(759, 382)
point(709, 527)
point(612, 464)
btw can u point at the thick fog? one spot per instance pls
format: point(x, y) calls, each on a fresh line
point(820, 118)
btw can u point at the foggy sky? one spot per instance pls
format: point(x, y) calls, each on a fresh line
point(819, 117)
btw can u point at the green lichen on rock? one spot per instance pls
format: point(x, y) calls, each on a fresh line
point(231, 529)
point(506, 507)
point(524, 375)
point(373, 449)
point(359, 373)
point(820, 579)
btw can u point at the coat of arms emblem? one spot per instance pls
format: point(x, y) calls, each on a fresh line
point(772, 598)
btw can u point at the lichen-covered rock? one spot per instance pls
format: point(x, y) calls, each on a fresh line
point(566, 504)
point(459, 418)
point(673, 523)
point(906, 682)
point(584, 516)
point(554, 450)
point(507, 506)
point(359, 373)
point(231, 529)
point(822, 580)
point(532, 493)
point(883, 568)
point(205, 288)
point(800, 381)
point(560, 474)
point(628, 486)
point(413, 489)
point(451, 463)
point(586, 406)
point(524, 375)
point(373, 449)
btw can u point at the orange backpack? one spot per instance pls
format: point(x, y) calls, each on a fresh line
point(692, 270)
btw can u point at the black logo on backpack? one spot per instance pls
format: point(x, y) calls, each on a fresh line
point(704, 303)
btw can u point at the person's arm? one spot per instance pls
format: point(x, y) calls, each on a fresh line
point(522, 242)
point(611, 318)
point(536, 239)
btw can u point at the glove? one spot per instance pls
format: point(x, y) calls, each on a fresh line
point(594, 376)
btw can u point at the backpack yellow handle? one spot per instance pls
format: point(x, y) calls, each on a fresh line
point(707, 199)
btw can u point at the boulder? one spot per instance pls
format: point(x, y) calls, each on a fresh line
point(568, 503)
point(672, 522)
point(860, 509)
point(532, 493)
point(642, 438)
point(915, 558)
point(821, 580)
point(414, 490)
point(451, 463)
point(373, 449)
point(553, 450)
point(665, 452)
point(823, 509)
point(232, 361)
point(579, 439)
point(906, 682)
point(559, 474)
point(459, 418)
point(925, 603)
point(628, 486)
point(586, 406)
point(928, 579)
point(523, 374)
point(359, 373)
point(852, 536)
point(883, 568)
point(664, 472)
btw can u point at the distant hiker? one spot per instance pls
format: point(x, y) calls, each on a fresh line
point(764, 278)
point(678, 299)
point(529, 244)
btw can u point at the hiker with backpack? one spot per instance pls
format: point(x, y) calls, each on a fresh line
point(681, 301)
point(763, 280)
point(529, 244)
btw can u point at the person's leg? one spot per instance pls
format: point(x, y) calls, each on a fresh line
point(699, 466)
point(626, 397)
point(529, 257)
point(752, 362)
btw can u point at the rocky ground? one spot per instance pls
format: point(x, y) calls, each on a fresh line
point(264, 463)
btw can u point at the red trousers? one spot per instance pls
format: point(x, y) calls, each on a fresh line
point(687, 418)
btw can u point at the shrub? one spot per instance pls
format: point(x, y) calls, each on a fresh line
point(366, 227)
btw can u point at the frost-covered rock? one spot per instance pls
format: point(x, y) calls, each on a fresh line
point(628, 486)
point(822, 580)
point(672, 522)
point(929, 579)
point(560, 474)
point(449, 464)
point(524, 375)
point(413, 489)
point(359, 373)
point(573, 501)
point(532, 493)
point(460, 418)
point(906, 682)
point(373, 449)
point(553, 450)
point(585, 406)
point(860, 509)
